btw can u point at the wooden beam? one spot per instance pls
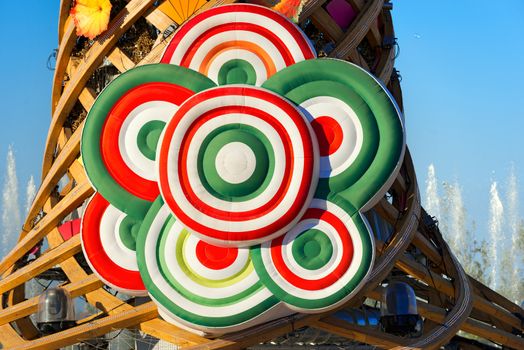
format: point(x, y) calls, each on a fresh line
point(374, 36)
point(445, 286)
point(120, 60)
point(64, 207)
point(63, 15)
point(62, 60)
point(159, 19)
point(496, 297)
point(43, 263)
point(92, 329)
point(325, 23)
point(87, 98)
point(30, 306)
point(65, 158)
point(118, 26)
point(361, 334)
point(310, 7)
point(168, 332)
point(358, 29)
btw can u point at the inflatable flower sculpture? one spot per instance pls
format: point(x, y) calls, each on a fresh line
point(231, 178)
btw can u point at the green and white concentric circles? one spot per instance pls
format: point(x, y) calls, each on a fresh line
point(236, 162)
point(188, 290)
point(365, 115)
point(118, 159)
point(322, 262)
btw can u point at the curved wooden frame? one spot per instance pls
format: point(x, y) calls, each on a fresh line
point(454, 300)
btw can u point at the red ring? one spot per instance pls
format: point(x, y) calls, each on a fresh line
point(214, 257)
point(302, 42)
point(218, 213)
point(264, 32)
point(335, 275)
point(329, 134)
point(111, 156)
point(307, 175)
point(96, 255)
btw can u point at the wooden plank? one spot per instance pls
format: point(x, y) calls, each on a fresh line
point(87, 98)
point(387, 58)
point(92, 329)
point(166, 331)
point(62, 162)
point(30, 306)
point(159, 19)
point(120, 60)
point(496, 297)
point(361, 334)
point(310, 7)
point(62, 61)
point(9, 338)
point(24, 325)
point(64, 207)
point(358, 29)
point(438, 282)
point(325, 23)
point(63, 14)
point(43, 263)
point(427, 247)
point(77, 171)
point(105, 42)
point(374, 36)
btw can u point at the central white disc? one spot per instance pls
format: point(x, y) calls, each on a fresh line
point(235, 162)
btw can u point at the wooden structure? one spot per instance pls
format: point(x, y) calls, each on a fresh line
point(414, 252)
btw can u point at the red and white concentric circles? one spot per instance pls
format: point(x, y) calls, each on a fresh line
point(108, 256)
point(293, 155)
point(263, 38)
point(322, 282)
point(339, 132)
point(121, 154)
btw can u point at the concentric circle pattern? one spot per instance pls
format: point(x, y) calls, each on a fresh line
point(357, 123)
point(238, 165)
point(251, 192)
point(109, 240)
point(238, 44)
point(319, 263)
point(123, 129)
point(195, 283)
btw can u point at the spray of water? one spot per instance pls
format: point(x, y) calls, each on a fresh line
point(513, 225)
point(432, 204)
point(30, 193)
point(496, 212)
point(454, 219)
point(10, 209)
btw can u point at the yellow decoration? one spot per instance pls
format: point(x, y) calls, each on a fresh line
point(91, 17)
point(180, 10)
point(290, 8)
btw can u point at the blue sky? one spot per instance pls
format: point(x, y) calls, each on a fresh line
point(462, 82)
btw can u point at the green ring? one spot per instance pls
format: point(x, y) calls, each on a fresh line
point(257, 182)
point(128, 231)
point(148, 136)
point(342, 294)
point(187, 315)
point(378, 114)
point(96, 171)
point(312, 249)
point(237, 71)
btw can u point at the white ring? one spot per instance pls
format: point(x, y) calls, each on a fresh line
point(127, 138)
